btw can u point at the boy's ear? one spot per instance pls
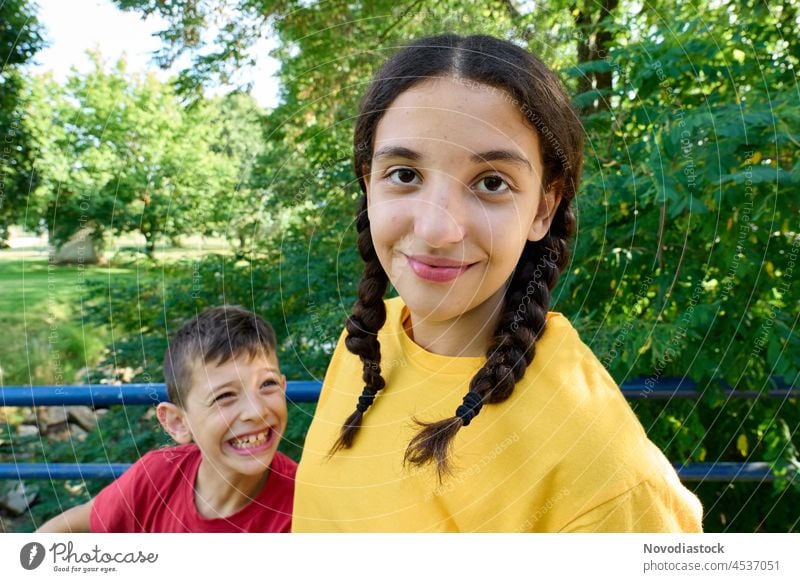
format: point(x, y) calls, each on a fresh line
point(546, 211)
point(173, 419)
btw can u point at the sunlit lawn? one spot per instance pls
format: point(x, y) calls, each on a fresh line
point(44, 338)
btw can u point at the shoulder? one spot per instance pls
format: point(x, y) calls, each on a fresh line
point(148, 472)
point(596, 445)
point(658, 504)
point(564, 369)
point(283, 466)
point(170, 458)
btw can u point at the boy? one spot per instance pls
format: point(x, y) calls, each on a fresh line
point(227, 412)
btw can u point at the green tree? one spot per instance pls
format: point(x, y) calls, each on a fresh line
point(20, 38)
point(120, 153)
point(239, 124)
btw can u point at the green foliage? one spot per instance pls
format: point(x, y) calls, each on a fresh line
point(689, 255)
point(119, 153)
point(20, 39)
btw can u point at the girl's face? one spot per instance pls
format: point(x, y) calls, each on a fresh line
point(453, 195)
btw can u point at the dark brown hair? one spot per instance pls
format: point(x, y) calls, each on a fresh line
point(545, 106)
point(215, 336)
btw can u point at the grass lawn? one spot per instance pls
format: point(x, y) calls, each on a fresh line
point(46, 341)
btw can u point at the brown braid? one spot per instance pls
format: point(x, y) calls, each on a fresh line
point(367, 318)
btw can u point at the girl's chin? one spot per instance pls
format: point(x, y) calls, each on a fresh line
point(427, 307)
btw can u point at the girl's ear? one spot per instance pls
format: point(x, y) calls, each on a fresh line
point(546, 211)
point(173, 419)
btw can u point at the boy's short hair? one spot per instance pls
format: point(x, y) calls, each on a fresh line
point(216, 335)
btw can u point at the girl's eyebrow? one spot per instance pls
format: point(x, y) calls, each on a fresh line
point(502, 156)
point(396, 152)
point(479, 158)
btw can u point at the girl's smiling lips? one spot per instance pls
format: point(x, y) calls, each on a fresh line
point(437, 269)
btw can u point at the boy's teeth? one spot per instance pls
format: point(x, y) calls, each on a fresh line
point(250, 441)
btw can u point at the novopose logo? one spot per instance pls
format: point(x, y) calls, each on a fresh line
point(31, 555)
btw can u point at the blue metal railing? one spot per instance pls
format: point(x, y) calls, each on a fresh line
point(100, 395)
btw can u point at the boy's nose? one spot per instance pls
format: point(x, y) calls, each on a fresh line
point(253, 408)
point(439, 219)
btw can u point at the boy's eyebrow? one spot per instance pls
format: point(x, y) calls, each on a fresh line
point(233, 383)
point(502, 156)
point(228, 384)
point(396, 152)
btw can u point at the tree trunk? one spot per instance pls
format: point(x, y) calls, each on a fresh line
point(593, 44)
point(150, 244)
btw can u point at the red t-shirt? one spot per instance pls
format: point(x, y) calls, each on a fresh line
point(157, 495)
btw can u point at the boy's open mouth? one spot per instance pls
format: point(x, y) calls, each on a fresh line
point(253, 441)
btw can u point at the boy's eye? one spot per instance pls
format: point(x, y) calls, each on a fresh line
point(271, 383)
point(493, 184)
point(222, 397)
point(403, 176)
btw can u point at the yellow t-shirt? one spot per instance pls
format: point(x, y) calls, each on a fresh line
point(564, 453)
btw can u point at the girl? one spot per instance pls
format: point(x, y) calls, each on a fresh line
point(463, 404)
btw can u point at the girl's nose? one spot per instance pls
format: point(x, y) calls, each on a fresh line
point(439, 215)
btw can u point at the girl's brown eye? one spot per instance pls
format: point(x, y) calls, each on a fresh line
point(493, 184)
point(404, 176)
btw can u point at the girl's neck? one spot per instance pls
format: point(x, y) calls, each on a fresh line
point(219, 495)
point(468, 335)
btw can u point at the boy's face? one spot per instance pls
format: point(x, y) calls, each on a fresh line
point(236, 414)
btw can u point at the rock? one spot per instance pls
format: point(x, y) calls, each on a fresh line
point(77, 433)
point(27, 430)
point(18, 500)
point(80, 249)
point(83, 416)
point(51, 415)
point(59, 432)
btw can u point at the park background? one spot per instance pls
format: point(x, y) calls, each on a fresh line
point(145, 198)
